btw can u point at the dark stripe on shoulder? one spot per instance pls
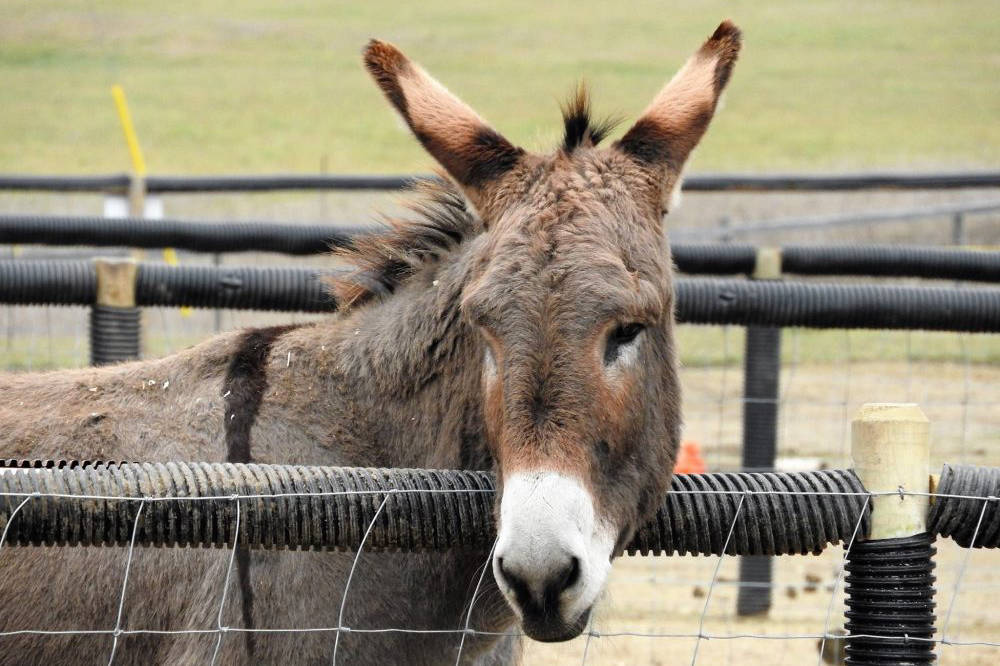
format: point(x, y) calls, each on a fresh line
point(243, 389)
point(246, 595)
point(244, 386)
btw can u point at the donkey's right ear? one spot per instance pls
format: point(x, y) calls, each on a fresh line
point(472, 152)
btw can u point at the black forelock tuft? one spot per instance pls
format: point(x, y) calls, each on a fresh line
point(580, 128)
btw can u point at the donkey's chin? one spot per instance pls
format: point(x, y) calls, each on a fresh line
point(553, 628)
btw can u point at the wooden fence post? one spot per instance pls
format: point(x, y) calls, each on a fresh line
point(889, 583)
point(114, 317)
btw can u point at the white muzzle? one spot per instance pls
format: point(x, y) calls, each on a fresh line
point(553, 553)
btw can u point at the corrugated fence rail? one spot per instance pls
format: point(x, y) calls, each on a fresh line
point(302, 507)
point(699, 300)
point(313, 239)
point(696, 183)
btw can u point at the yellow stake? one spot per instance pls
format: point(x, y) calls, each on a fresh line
point(138, 163)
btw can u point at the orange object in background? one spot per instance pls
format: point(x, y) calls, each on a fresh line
point(689, 460)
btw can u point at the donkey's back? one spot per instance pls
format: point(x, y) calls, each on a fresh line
point(232, 396)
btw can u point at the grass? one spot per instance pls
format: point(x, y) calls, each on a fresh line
point(266, 86)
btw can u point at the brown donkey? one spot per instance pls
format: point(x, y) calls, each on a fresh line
point(523, 322)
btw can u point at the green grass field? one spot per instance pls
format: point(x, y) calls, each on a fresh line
point(267, 86)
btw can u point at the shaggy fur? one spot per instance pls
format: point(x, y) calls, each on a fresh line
point(562, 249)
point(383, 261)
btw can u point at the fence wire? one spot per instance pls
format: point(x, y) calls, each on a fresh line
point(622, 634)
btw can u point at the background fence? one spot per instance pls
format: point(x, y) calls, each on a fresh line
point(799, 385)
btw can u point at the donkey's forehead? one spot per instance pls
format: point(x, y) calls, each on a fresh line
point(587, 183)
point(575, 207)
point(568, 268)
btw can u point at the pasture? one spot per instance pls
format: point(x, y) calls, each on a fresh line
point(268, 86)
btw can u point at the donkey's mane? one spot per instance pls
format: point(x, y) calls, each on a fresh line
point(381, 261)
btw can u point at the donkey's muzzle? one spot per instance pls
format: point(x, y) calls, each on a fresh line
point(542, 606)
point(552, 554)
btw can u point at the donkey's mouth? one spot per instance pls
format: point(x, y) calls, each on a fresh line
point(551, 628)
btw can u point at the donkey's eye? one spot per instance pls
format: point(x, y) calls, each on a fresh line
point(622, 336)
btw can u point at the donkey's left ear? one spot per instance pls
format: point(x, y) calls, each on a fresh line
point(472, 152)
point(674, 123)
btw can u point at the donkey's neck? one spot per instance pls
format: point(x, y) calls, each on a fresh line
point(395, 382)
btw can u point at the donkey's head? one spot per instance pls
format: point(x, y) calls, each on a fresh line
point(571, 295)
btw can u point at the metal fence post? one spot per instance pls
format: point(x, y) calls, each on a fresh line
point(958, 229)
point(762, 368)
point(114, 318)
point(890, 582)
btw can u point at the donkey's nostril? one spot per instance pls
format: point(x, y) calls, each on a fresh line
point(573, 574)
point(566, 578)
point(517, 584)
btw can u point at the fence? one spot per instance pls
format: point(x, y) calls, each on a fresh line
point(302, 240)
point(762, 305)
point(123, 183)
point(881, 511)
point(699, 300)
point(115, 327)
point(956, 212)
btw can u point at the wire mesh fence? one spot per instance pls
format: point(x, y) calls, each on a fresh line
point(654, 623)
point(656, 610)
point(676, 609)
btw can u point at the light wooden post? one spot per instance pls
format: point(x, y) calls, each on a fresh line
point(116, 282)
point(890, 573)
point(890, 445)
point(137, 196)
point(114, 318)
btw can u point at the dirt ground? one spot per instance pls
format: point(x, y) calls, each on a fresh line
point(668, 596)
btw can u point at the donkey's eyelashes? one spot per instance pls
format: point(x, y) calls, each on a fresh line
point(620, 338)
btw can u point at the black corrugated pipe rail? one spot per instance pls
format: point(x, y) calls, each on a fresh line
point(296, 239)
point(889, 590)
point(321, 508)
point(892, 261)
point(961, 519)
point(695, 183)
point(699, 301)
point(293, 506)
point(787, 304)
point(193, 235)
point(114, 334)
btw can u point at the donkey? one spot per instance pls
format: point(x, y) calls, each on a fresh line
point(521, 321)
